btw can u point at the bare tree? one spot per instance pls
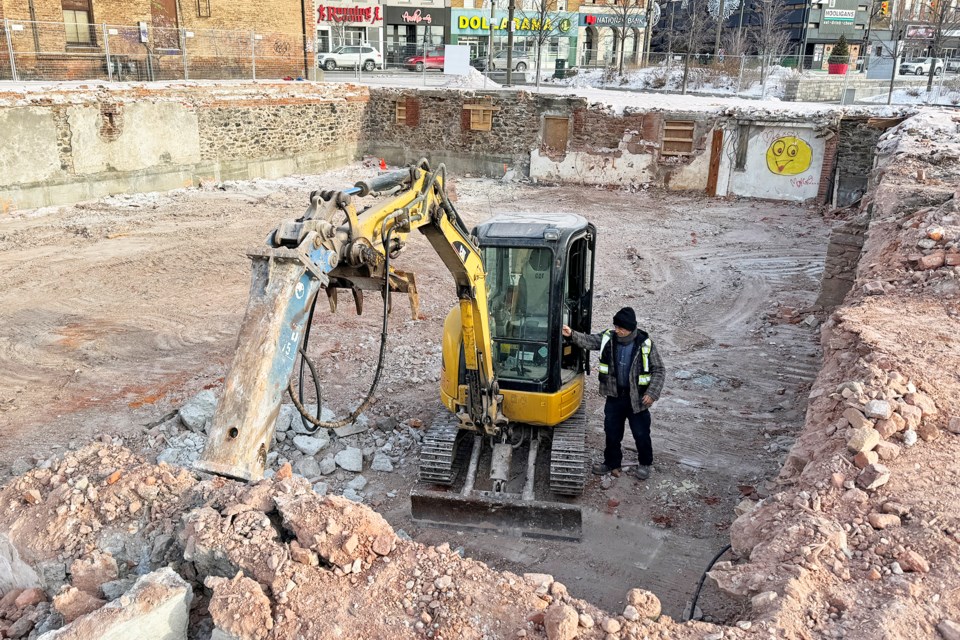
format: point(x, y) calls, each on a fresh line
point(627, 15)
point(771, 35)
point(736, 43)
point(544, 25)
point(943, 20)
point(693, 33)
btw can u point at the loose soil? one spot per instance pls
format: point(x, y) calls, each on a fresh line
point(116, 311)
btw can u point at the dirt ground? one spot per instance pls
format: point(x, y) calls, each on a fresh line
point(113, 313)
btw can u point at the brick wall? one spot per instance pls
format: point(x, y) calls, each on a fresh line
point(825, 189)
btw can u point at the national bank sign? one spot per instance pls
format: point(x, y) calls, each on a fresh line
point(636, 20)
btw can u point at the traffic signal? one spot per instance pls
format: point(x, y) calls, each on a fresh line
point(885, 8)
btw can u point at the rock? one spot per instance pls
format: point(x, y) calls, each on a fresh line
point(14, 572)
point(928, 431)
point(934, 260)
point(865, 458)
point(873, 288)
point(607, 481)
point(350, 459)
point(922, 401)
point(538, 579)
point(321, 488)
point(361, 424)
point(610, 625)
point(683, 374)
point(73, 603)
point(630, 613)
point(645, 602)
point(949, 630)
point(198, 411)
point(878, 409)
point(911, 415)
point(895, 507)
point(32, 496)
point(953, 425)
point(307, 467)
point(30, 597)
point(311, 445)
point(586, 621)
point(873, 476)
point(358, 483)
point(352, 495)
point(862, 439)
point(381, 462)
point(883, 520)
point(913, 561)
point(763, 600)
point(296, 422)
point(328, 465)
point(887, 450)
point(89, 573)
point(909, 438)
point(116, 588)
point(383, 544)
point(887, 428)
point(857, 419)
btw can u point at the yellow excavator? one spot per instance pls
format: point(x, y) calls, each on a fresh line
point(508, 383)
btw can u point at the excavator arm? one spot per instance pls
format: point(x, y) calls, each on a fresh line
point(333, 246)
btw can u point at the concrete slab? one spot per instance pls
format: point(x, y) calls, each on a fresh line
point(156, 608)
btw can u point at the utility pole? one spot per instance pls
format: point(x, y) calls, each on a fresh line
point(510, 11)
point(649, 37)
point(806, 21)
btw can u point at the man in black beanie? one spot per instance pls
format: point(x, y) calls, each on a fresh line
point(631, 377)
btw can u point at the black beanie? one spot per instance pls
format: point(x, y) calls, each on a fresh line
point(625, 318)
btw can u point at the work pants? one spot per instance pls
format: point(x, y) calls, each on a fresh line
point(617, 412)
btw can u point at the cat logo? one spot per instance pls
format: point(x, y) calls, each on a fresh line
point(462, 251)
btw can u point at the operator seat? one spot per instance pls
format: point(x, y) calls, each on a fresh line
point(535, 294)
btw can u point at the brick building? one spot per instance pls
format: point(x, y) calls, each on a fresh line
point(155, 39)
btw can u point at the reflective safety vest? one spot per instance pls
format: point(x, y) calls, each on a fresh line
point(606, 357)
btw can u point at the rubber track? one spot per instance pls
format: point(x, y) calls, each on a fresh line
point(568, 455)
point(438, 450)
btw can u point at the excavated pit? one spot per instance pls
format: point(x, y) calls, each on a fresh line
point(145, 316)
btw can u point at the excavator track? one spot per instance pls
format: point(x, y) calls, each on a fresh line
point(438, 450)
point(568, 455)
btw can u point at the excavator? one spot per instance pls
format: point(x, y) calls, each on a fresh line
point(508, 381)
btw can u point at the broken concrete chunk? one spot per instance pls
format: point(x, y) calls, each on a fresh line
point(14, 572)
point(883, 520)
point(328, 465)
point(887, 450)
point(381, 462)
point(87, 574)
point(878, 409)
point(311, 445)
point(198, 411)
point(74, 603)
point(240, 608)
point(922, 401)
point(350, 459)
point(857, 419)
point(307, 467)
point(863, 439)
point(645, 602)
point(157, 608)
point(865, 458)
point(873, 476)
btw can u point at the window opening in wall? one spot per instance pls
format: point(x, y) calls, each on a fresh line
point(401, 111)
point(677, 138)
point(743, 136)
point(555, 133)
point(203, 8)
point(78, 23)
point(166, 32)
point(481, 115)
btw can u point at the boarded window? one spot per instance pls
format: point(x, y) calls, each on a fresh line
point(481, 115)
point(78, 22)
point(555, 133)
point(743, 136)
point(677, 138)
point(401, 111)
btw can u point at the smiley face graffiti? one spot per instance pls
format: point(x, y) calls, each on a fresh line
point(789, 156)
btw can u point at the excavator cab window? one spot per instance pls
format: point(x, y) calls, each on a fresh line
point(519, 281)
point(577, 295)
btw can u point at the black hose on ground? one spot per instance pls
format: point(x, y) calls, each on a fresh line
point(696, 594)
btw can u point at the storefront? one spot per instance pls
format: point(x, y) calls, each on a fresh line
point(599, 37)
point(410, 29)
point(348, 23)
point(475, 27)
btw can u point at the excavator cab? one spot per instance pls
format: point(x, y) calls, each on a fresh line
point(539, 276)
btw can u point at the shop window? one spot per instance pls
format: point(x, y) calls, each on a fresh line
point(481, 115)
point(677, 138)
point(78, 23)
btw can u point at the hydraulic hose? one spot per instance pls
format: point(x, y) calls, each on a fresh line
point(696, 594)
point(304, 414)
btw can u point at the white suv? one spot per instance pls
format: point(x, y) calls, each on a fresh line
point(350, 56)
point(922, 67)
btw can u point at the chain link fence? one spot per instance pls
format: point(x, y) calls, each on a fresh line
point(59, 51)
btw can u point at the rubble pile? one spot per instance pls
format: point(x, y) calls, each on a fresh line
point(861, 540)
point(116, 541)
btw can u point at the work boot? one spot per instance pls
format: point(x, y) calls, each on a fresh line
point(602, 469)
point(643, 472)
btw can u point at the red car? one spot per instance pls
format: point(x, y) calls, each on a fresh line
point(433, 60)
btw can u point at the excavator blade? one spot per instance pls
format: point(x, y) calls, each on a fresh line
point(496, 513)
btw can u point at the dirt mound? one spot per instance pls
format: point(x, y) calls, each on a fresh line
point(270, 560)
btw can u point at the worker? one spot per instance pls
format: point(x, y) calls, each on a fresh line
point(631, 378)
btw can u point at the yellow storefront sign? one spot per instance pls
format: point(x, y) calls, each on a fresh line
point(478, 23)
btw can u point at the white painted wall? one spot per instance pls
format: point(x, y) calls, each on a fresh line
point(587, 168)
point(756, 180)
point(171, 137)
point(28, 147)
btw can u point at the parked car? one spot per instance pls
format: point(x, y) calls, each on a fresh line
point(953, 64)
point(521, 61)
point(350, 56)
point(433, 60)
point(921, 67)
